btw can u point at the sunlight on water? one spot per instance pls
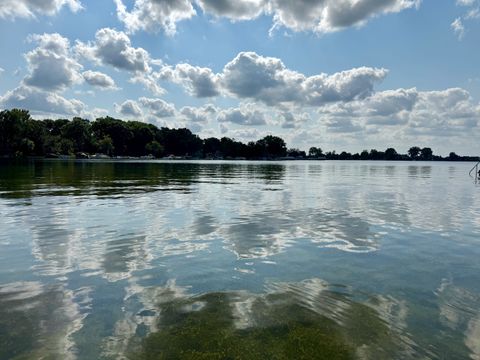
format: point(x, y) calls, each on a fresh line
point(255, 260)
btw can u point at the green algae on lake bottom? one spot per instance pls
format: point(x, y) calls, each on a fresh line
point(272, 326)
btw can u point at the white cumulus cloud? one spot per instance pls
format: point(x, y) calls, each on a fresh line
point(323, 16)
point(98, 79)
point(267, 79)
point(234, 10)
point(449, 112)
point(198, 114)
point(129, 108)
point(114, 48)
point(406, 112)
point(51, 65)
point(40, 101)
point(11, 9)
point(199, 82)
point(291, 120)
point(155, 15)
point(158, 107)
point(149, 81)
point(245, 115)
point(320, 16)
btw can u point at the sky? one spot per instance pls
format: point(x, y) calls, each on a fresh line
point(336, 74)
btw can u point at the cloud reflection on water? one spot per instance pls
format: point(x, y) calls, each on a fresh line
point(39, 320)
point(460, 311)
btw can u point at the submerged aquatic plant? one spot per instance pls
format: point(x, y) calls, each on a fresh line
point(210, 333)
point(278, 325)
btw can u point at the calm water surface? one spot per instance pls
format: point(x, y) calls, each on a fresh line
point(251, 260)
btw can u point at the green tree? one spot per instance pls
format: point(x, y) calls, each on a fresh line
point(212, 147)
point(67, 147)
point(54, 127)
point(105, 146)
point(78, 131)
point(179, 141)
point(142, 134)
point(391, 154)
point(154, 148)
point(376, 155)
point(118, 132)
point(37, 133)
point(13, 125)
point(364, 155)
point(414, 152)
point(426, 154)
point(345, 155)
point(27, 146)
point(273, 146)
point(296, 153)
point(315, 152)
point(453, 157)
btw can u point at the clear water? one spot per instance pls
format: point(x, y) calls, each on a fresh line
point(130, 260)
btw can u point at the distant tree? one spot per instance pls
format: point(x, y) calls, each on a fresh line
point(58, 145)
point(227, 146)
point(105, 146)
point(37, 133)
point(254, 150)
point(391, 154)
point(296, 153)
point(453, 157)
point(12, 130)
point(78, 131)
point(51, 145)
point(27, 146)
point(414, 152)
point(154, 148)
point(66, 147)
point(364, 155)
point(142, 134)
point(331, 155)
point(179, 142)
point(426, 154)
point(344, 156)
point(376, 155)
point(273, 146)
point(54, 127)
point(212, 147)
point(315, 152)
point(118, 132)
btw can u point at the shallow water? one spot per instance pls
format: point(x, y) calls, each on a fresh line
point(248, 260)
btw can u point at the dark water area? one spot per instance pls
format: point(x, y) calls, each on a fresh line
point(239, 260)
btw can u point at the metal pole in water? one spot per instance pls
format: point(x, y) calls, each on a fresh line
point(476, 175)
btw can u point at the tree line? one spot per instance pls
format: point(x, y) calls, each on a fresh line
point(414, 153)
point(22, 136)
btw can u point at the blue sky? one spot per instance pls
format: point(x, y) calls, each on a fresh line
point(345, 75)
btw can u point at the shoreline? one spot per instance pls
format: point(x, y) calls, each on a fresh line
point(185, 159)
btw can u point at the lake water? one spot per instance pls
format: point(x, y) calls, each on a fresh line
point(216, 260)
